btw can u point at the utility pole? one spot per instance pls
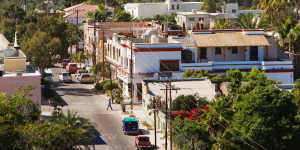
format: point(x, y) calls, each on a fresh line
point(94, 48)
point(170, 112)
point(131, 70)
point(77, 27)
point(103, 55)
point(155, 111)
point(166, 129)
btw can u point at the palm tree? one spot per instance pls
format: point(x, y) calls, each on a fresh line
point(223, 24)
point(288, 34)
point(292, 36)
point(275, 9)
point(248, 21)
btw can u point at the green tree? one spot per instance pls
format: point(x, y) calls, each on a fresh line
point(248, 21)
point(296, 93)
point(223, 24)
point(258, 109)
point(100, 15)
point(21, 126)
point(209, 6)
point(188, 102)
point(41, 49)
point(122, 16)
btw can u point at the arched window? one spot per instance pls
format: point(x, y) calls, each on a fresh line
point(187, 56)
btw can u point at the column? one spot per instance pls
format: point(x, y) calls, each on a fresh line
point(260, 53)
point(247, 53)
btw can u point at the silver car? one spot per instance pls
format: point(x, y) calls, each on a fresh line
point(85, 78)
point(65, 77)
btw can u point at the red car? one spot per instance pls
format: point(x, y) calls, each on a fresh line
point(65, 62)
point(143, 142)
point(72, 67)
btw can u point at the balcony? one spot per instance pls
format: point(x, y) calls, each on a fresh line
point(241, 65)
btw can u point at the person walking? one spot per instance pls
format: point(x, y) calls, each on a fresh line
point(109, 104)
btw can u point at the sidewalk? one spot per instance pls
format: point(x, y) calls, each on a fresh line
point(142, 116)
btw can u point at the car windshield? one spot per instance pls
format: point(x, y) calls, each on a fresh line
point(144, 139)
point(83, 71)
point(72, 65)
point(48, 75)
point(85, 76)
point(131, 123)
point(66, 74)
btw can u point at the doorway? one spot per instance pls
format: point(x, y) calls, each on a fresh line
point(253, 53)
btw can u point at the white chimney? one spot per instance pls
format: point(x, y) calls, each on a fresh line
point(16, 46)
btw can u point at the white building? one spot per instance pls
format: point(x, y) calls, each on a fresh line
point(216, 51)
point(145, 10)
point(233, 8)
point(203, 20)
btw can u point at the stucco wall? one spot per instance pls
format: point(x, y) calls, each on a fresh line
point(9, 84)
point(144, 10)
point(272, 51)
point(12, 65)
point(150, 61)
point(284, 77)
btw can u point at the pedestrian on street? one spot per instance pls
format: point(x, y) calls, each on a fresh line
point(109, 103)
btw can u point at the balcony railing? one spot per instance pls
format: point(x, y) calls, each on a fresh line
point(241, 65)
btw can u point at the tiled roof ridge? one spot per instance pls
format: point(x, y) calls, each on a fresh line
point(72, 7)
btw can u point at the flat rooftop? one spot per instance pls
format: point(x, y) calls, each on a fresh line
point(201, 87)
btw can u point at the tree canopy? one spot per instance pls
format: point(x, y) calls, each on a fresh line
point(22, 127)
point(252, 116)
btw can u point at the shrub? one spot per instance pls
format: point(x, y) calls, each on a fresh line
point(100, 86)
point(123, 106)
point(118, 95)
point(110, 86)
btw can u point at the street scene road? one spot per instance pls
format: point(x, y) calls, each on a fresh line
point(81, 98)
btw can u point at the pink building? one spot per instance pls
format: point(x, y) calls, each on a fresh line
point(9, 83)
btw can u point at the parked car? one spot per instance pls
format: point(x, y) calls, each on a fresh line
point(142, 142)
point(48, 76)
point(72, 67)
point(79, 72)
point(65, 62)
point(130, 125)
point(85, 78)
point(65, 77)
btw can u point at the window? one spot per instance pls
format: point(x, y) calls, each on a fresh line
point(139, 91)
point(234, 11)
point(253, 53)
point(173, 7)
point(203, 53)
point(191, 19)
point(201, 19)
point(218, 51)
point(187, 56)
point(177, 6)
point(169, 65)
point(234, 50)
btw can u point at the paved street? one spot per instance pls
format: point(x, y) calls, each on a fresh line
point(80, 98)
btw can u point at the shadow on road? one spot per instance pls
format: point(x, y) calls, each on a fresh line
point(94, 138)
point(76, 91)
